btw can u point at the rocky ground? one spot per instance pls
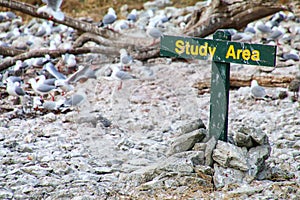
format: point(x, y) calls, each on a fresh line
point(96, 152)
point(148, 140)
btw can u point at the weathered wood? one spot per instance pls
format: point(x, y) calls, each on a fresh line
point(56, 53)
point(10, 51)
point(237, 81)
point(229, 14)
point(68, 21)
point(142, 54)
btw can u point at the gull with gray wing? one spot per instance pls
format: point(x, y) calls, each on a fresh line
point(52, 9)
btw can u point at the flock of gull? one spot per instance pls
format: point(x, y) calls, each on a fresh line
point(62, 75)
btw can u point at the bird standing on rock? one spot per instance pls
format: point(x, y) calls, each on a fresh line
point(125, 60)
point(294, 86)
point(262, 27)
point(109, 18)
point(257, 92)
point(14, 89)
point(132, 17)
point(52, 9)
point(118, 74)
point(41, 88)
point(153, 32)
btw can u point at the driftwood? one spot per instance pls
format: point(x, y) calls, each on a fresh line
point(68, 21)
point(229, 14)
point(23, 55)
point(236, 81)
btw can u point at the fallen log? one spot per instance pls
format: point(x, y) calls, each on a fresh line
point(54, 53)
point(237, 81)
point(222, 14)
point(142, 54)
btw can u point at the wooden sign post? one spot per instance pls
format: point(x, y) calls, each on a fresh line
point(222, 52)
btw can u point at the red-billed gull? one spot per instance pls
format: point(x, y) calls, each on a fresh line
point(125, 60)
point(153, 32)
point(257, 92)
point(109, 18)
point(52, 9)
point(120, 75)
point(41, 88)
point(14, 89)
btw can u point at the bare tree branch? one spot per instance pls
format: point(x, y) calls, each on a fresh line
point(68, 21)
point(229, 14)
point(56, 53)
point(141, 54)
point(10, 51)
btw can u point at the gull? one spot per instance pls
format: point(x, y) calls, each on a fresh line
point(42, 80)
point(39, 62)
point(257, 92)
point(44, 29)
point(278, 17)
point(52, 9)
point(110, 17)
point(153, 32)
point(53, 71)
point(12, 78)
point(277, 32)
point(75, 100)
point(250, 28)
point(263, 28)
point(159, 19)
point(37, 102)
point(292, 55)
point(294, 86)
point(82, 74)
point(8, 15)
point(125, 60)
point(14, 89)
point(132, 17)
point(41, 88)
point(121, 25)
point(12, 35)
point(294, 29)
point(118, 74)
point(243, 37)
point(53, 105)
point(69, 60)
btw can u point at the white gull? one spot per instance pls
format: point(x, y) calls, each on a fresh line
point(52, 9)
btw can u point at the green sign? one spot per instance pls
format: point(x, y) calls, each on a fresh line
point(222, 52)
point(218, 50)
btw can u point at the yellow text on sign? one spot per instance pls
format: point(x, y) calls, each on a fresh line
point(245, 54)
point(194, 50)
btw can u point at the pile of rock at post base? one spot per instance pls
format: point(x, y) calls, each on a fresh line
point(197, 162)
